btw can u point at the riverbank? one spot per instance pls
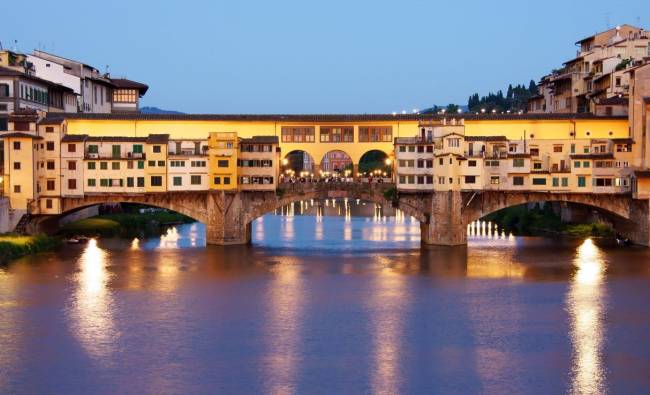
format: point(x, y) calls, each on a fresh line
point(16, 246)
point(537, 221)
point(131, 224)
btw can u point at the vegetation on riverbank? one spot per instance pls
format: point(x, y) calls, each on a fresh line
point(538, 221)
point(127, 224)
point(15, 246)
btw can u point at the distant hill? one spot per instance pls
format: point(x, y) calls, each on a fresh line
point(434, 109)
point(156, 110)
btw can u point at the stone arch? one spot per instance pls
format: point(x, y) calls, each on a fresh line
point(336, 161)
point(374, 193)
point(298, 160)
point(374, 159)
point(191, 204)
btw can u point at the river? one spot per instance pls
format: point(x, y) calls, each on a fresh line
point(336, 298)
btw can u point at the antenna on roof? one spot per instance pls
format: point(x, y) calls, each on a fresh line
point(607, 14)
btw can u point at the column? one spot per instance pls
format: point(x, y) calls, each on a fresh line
point(355, 170)
point(226, 224)
point(445, 226)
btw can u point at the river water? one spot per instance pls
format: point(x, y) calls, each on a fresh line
point(331, 299)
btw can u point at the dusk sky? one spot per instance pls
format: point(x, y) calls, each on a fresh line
point(297, 56)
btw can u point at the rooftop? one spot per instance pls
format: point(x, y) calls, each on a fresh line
point(325, 118)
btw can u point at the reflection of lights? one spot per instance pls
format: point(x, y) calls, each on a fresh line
point(92, 304)
point(135, 244)
point(585, 304)
point(285, 306)
point(388, 304)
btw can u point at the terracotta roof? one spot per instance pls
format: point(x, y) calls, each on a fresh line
point(627, 140)
point(74, 138)
point(51, 121)
point(21, 135)
point(614, 100)
point(486, 138)
point(331, 117)
point(158, 138)
point(261, 140)
point(593, 156)
point(116, 139)
point(518, 155)
point(123, 83)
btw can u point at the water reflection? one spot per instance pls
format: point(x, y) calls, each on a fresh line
point(91, 311)
point(388, 303)
point(286, 298)
point(586, 311)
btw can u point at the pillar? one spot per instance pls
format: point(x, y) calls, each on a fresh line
point(227, 223)
point(637, 228)
point(355, 170)
point(445, 226)
point(316, 170)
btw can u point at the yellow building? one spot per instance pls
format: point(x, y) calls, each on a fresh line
point(222, 160)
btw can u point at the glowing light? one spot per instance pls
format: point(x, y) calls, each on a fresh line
point(585, 305)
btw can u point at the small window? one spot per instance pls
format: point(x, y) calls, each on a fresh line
point(17, 145)
point(48, 203)
point(91, 165)
point(222, 163)
point(156, 149)
point(519, 181)
point(471, 163)
point(161, 163)
point(50, 185)
point(178, 181)
point(539, 181)
point(72, 147)
point(140, 164)
point(495, 180)
point(156, 181)
point(470, 179)
point(217, 180)
point(16, 188)
point(152, 163)
point(49, 146)
point(576, 164)
point(115, 165)
point(50, 165)
point(72, 184)
point(195, 180)
point(226, 180)
point(72, 165)
point(49, 129)
point(91, 182)
point(518, 162)
point(16, 165)
point(582, 182)
point(140, 182)
point(103, 165)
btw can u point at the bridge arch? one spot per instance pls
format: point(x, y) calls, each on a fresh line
point(375, 160)
point(336, 161)
point(298, 161)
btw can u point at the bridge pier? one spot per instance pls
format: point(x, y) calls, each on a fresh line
point(226, 221)
point(445, 226)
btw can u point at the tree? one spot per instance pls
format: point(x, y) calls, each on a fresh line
point(452, 108)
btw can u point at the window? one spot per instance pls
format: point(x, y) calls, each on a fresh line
point(140, 182)
point(537, 166)
point(471, 163)
point(72, 165)
point(156, 181)
point(576, 164)
point(298, 134)
point(518, 162)
point(49, 185)
point(492, 163)
point(336, 134)
point(371, 134)
point(49, 146)
point(195, 180)
point(573, 148)
point(556, 182)
point(48, 203)
point(116, 151)
point(582, 182)
point(557, 148)
point(178, 181)
point(217, 180)
point(539, 181)
point(156, 149)
point(602, 182)
point(518, 180)
point(470, 179)
point(115, 165)
point(226, 180)
point(129, 164)
point(72, 184)
point(441, 180)
point(618, 81)
point(50, 165)
point(534, 152)
point(49, 129)
point(453, 143)
point(161, 163)
point(140, 164)
point(565, 182)
point(586, 164)
point(16, 165)
point(16, 188)
point(222, 163)
point(93, 149)
point(495, 180)
point(91, 182)
point(402, 148)
point(72, 147)
point(17, 145)
point(152, 163)
point(125, 96)
point(129, 182)
point(103, 165)
point(91, 165)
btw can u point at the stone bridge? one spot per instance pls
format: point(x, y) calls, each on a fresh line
point(443, 216)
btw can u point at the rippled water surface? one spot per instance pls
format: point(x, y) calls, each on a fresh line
point(338, 300)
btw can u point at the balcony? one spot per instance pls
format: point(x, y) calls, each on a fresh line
point(189, 152)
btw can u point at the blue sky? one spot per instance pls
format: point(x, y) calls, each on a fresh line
point(300, 56)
